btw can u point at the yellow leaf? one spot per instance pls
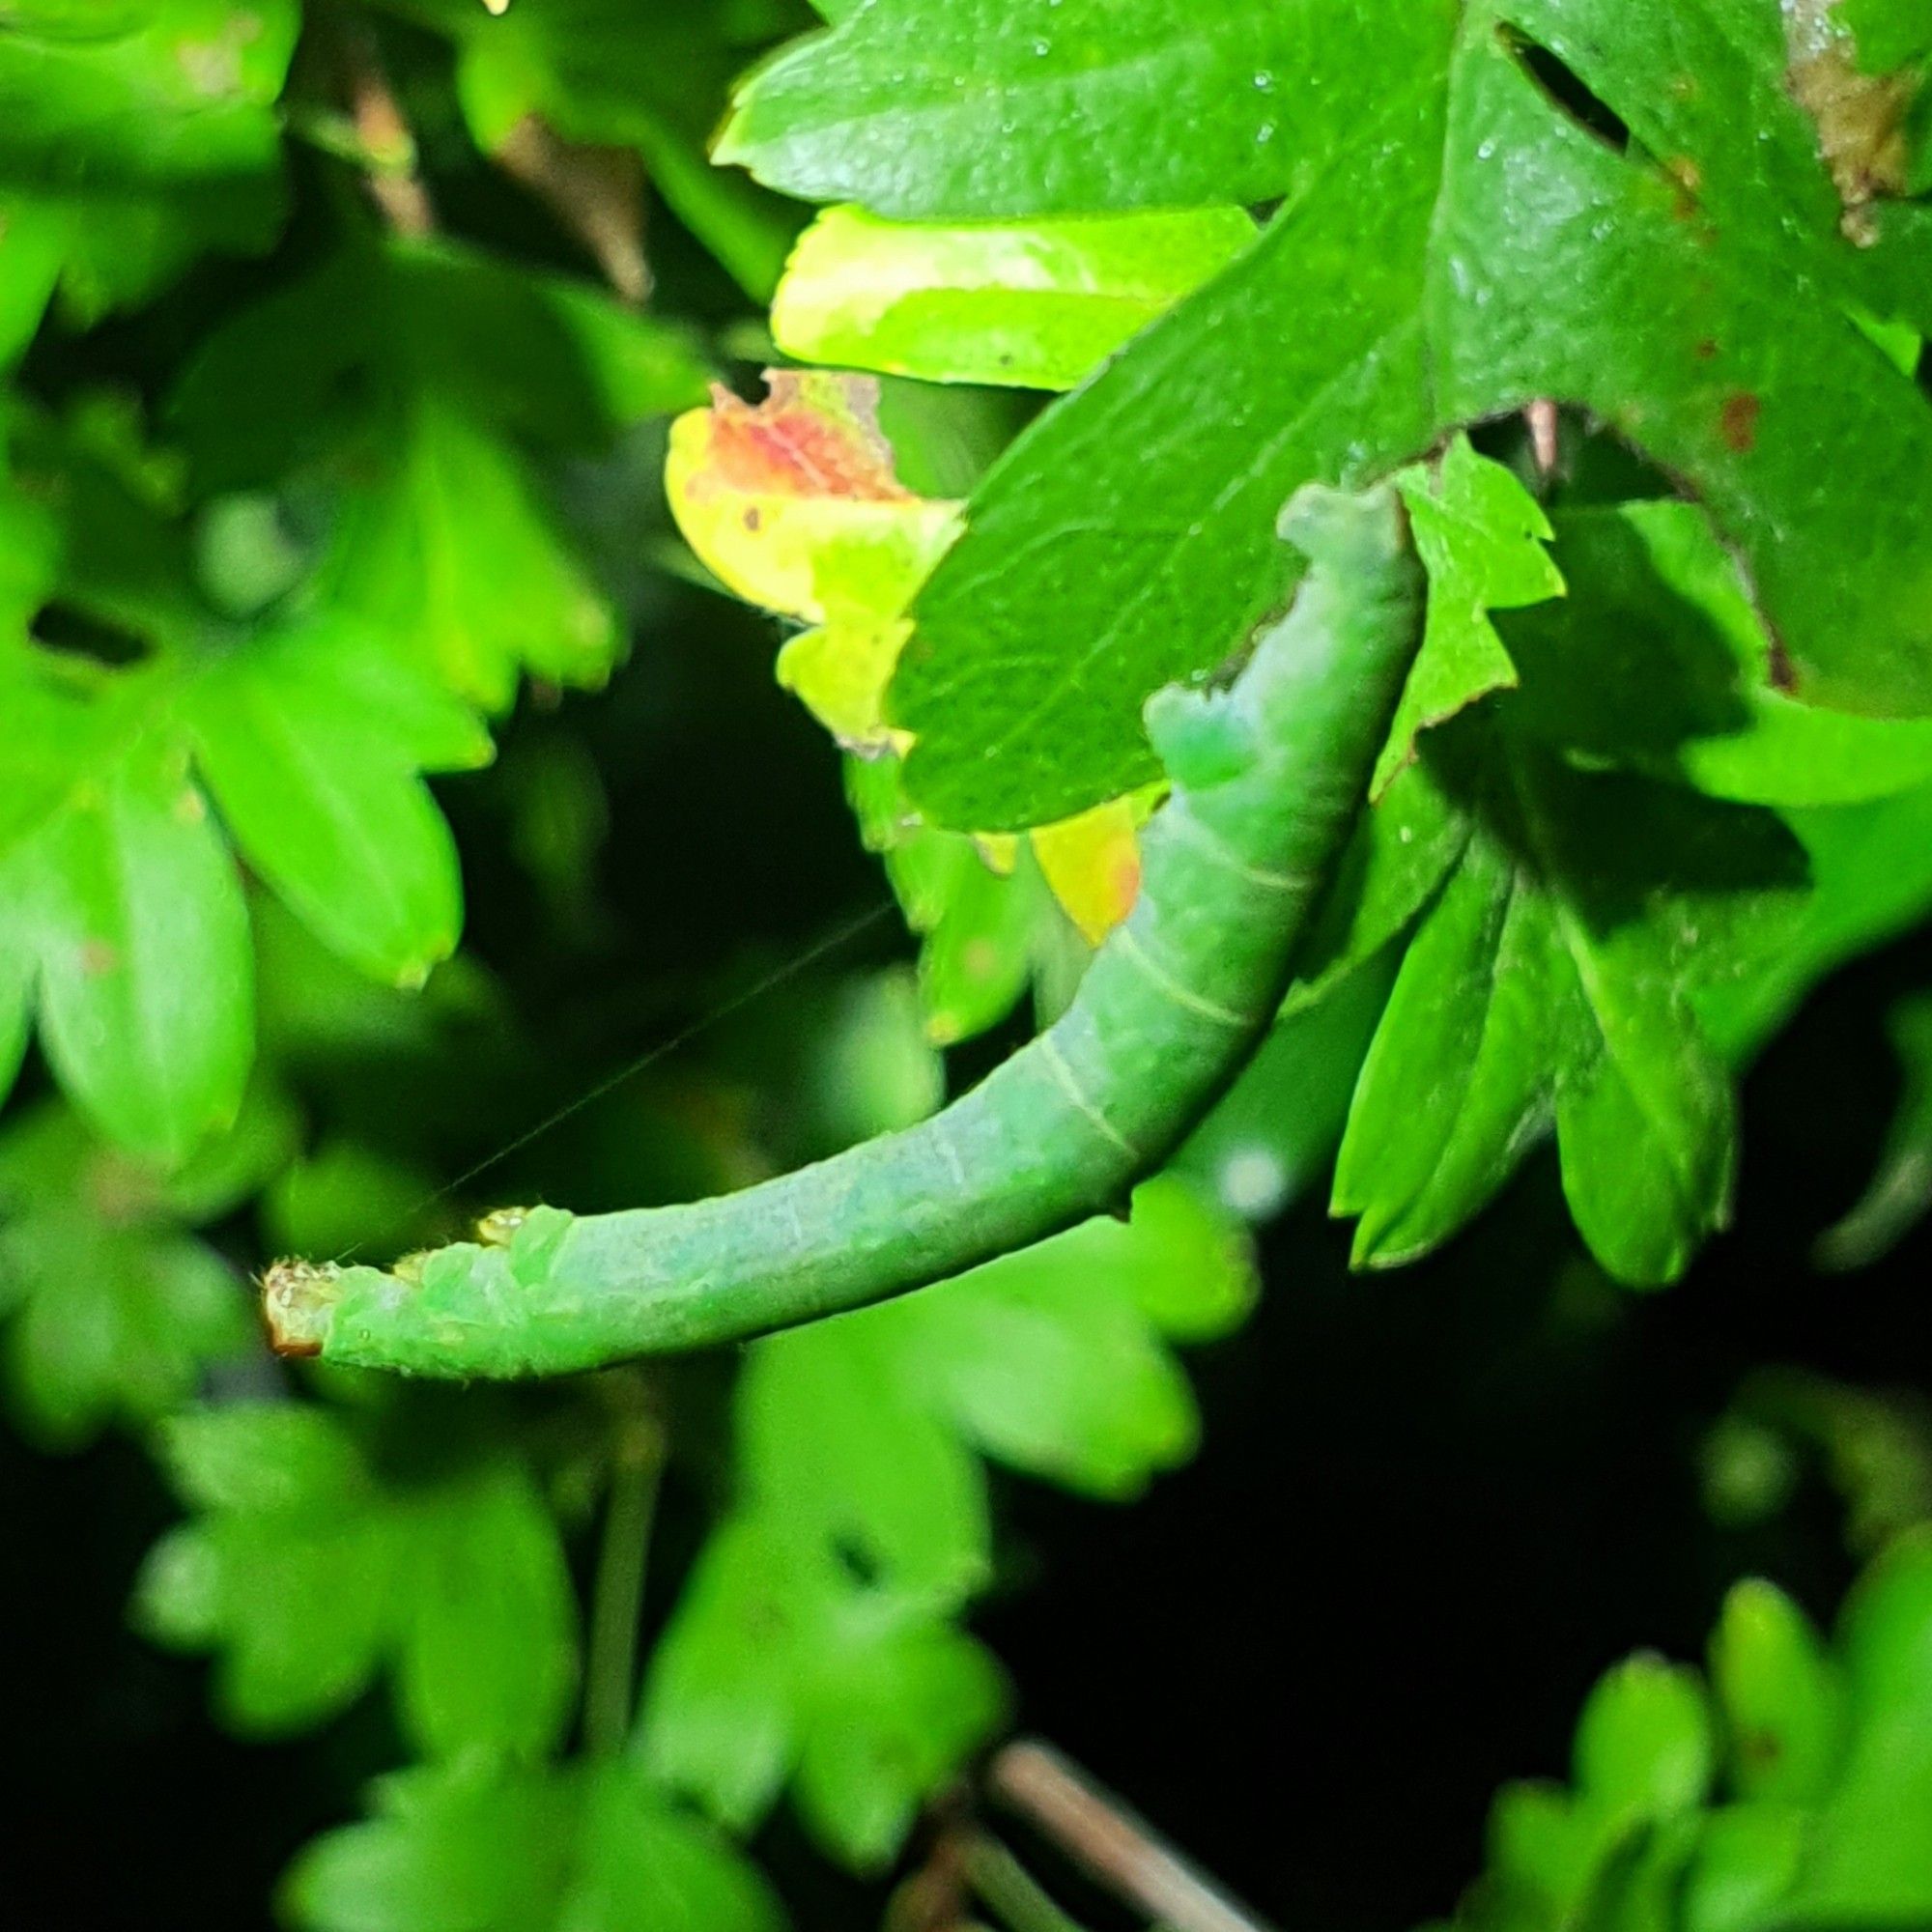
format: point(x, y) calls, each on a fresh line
point(1092, 862)
point(839, 671)
point(793, 504)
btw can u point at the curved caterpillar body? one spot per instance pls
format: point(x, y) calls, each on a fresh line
point(1267, 774)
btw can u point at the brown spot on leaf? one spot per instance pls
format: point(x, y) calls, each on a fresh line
point(97, 956)
point(1706, 349)
point(753, 519)
point(814, 434)
point(1779, 669)
point(1737, 421)
point(1860, 118)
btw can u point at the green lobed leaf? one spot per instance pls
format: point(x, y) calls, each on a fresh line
point(1644, 1742)
point(1806, 1804)
point(16, 995)
point(810, 1644)
point(114, 1311)
point(1871, 879)
point(833, 1444)
point(1888, 33)
point(898, 1722)
point(1481, 537)
point(133, 139)
point(306, 726)
point(1747, 1862)
point(311, 741)
point(456, 552)
point(412, 377)
point(779, 1663)
point(1038, 304)
point(308, 1570)
point(1051, 1359)
point(1554, 981)
point(579, 1849)
point(921, 111)
point(539, 357)
point(145, 968)
point(1410, 282)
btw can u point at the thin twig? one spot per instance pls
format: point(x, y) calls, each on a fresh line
point(395, 186)
point(1011, 1891)
point(1540, 415)
point(611, 1666)
point(597, 193)
point(1102, 1835)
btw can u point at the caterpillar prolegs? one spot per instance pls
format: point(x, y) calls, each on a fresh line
point(1266, 773)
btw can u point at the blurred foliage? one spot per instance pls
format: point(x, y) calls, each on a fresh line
point(375, 724)
point(1789, 1789)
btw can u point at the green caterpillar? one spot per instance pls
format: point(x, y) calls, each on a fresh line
point(1268, 775)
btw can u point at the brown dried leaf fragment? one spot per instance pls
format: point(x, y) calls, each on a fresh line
point(1860, 117)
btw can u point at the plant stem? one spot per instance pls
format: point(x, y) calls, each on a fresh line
point(1100, 1834)
point(1009, 1890)
point(609, 1672)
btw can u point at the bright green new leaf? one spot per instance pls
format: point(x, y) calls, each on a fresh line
point(16, 995)
point(579, 1849)
point(1481, 537)
point(309, 1569)
point(1871, 879)
point(1888, 34)
point(31, 239)
point(1038, 304)
point(1747, 1861)
point(1450, 248)
point(1807, 1803)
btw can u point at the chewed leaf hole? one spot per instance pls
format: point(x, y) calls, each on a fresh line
point(62, 629)
point(1565, 89)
